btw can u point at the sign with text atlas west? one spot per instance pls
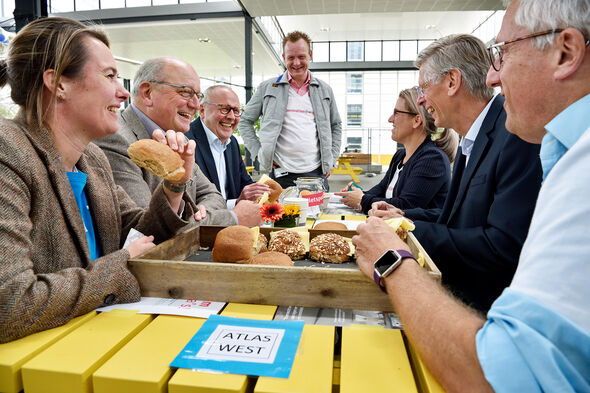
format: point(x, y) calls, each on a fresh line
point(242, 346)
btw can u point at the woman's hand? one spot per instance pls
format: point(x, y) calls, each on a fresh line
point(352, 198)
point(384, 210)
point(141, 245)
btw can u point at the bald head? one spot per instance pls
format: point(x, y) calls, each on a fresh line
point(166, 89)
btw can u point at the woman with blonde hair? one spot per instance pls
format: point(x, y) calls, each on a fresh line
point(419, 174)
point(63, 221)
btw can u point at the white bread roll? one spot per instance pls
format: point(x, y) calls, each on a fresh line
point(157, 158)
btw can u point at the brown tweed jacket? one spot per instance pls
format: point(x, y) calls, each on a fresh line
point(140, 184)
point(46, 277)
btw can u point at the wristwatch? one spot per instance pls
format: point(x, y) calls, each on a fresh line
point(387, 263)
point(175, 187)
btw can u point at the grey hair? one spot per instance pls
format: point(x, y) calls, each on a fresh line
point(149, 70)
point(210, 90)
point(464, 52)
point(540, 15)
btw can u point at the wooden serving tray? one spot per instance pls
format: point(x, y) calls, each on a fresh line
point(164, 272)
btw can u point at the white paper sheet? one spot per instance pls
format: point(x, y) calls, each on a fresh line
point(158, 305)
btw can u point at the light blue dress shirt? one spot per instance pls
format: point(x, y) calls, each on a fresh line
point(537, 337)
point(562, 132)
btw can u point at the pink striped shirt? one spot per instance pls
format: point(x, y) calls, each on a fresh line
point(299, 90)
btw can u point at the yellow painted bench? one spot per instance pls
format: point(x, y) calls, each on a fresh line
point(344, 168)
point(120, 351)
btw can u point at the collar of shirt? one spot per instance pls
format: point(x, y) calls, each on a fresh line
point(148, 123)
point(563, 131)
point(217, 150)
point(214, 141)
point(304, 88)
point(469, 139)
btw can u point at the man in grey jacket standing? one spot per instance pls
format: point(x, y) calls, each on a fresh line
point(300, 129)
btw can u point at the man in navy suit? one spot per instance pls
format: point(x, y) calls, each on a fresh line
point(218, 153)
point(476, 238)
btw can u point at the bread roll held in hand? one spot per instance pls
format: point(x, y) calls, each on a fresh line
point(329, 247)
point(275, 190)
point(238, 243)
point(157, 158)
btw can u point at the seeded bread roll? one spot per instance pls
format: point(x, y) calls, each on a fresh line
point(331, 225)
point(288, 242)
point(329, 247)
point(237, 243)
point(157, 158)
point(272, 258)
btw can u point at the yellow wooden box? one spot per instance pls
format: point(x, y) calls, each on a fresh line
point(163, 272)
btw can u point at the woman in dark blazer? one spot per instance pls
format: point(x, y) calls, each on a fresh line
point(418, 175)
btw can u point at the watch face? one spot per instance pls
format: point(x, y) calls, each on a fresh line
point(386, 261)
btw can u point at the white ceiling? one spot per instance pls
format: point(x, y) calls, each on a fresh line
point(346, 19)
point(385, 26)
point(309, 7)
point(223, 56)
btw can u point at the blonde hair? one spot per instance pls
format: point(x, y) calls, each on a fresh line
point(44, 44)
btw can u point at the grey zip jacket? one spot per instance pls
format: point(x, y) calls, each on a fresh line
point(270, 101)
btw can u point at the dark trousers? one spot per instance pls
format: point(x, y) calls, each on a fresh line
point(288, 180)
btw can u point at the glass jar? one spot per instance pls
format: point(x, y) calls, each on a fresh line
point(312, 189)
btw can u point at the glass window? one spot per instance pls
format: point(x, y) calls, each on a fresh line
point(390, 50)
point(320, 51)
point(7, 8)
point(355, 51)
point(373, 51)
point(355, 84)
point(423, 44)
point(354, 115)
point(84, 5)
point(337, 51)
point(112, 4)
point(139, 3)
point(408, 50)
point(61, 6)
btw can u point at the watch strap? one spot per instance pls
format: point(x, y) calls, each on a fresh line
point(403, 254)
point(175, 187)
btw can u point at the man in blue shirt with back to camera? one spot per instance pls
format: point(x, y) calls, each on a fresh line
point(536, 337)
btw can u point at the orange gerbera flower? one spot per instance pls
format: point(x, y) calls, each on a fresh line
point(271, 212)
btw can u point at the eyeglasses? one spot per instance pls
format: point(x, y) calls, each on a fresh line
point(396, 111)
point(225, 109)
point(187, 92)
point(420, 89)
point(495, 51)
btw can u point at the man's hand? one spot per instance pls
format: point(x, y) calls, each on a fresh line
point(351, 198)
point(385, 211)
point(180, 144)
point(253, 191)
point(327, 174)
point(140, 246)
point(201, 213)
point(248, 213)
point(372, 240)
